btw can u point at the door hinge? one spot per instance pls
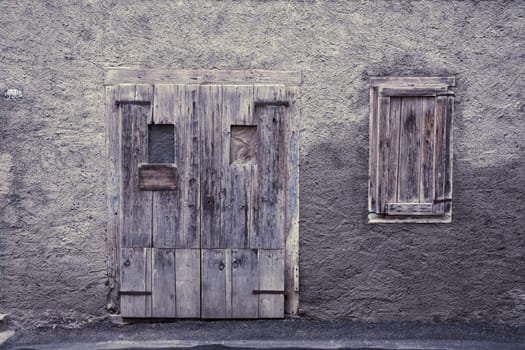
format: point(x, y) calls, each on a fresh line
point(133, 292)
point(271, 103)
point(268, 292)
point(436, 201)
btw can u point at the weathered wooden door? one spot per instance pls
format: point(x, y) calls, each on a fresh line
point(208, 198)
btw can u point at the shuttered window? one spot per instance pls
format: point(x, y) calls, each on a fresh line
point(411, 149)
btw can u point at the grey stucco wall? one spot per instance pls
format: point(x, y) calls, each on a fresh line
point(52, 185)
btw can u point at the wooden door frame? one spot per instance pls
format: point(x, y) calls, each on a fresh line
point(116, 76)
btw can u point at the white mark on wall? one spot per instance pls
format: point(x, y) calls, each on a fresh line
point(13, 94)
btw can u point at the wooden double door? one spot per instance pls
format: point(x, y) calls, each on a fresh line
point(207, 177)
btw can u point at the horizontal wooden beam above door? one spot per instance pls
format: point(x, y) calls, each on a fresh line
point(121, 75)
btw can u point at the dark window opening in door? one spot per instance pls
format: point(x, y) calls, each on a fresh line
point(161, 143)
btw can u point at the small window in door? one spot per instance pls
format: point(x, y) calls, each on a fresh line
point(243, 144)
point(161, 143)
point(411, 149)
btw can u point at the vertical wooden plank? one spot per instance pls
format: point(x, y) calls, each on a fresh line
point(213, 292)
point(126, 92)
point(210, 107)
point(238, 104)
point(390, 187)
point(113, 189)
point(448, 154)
point(144, 93)
point(292, 202)
point(187, 262)
point(383, 153)
point(439, 155)
point(179, 119)
point(147, 277)
point(135, 277)
point(163, 295)
point(187, 150)
point(373, 151)
point(244, 278)
point(271, 278)
point(237, 206)
point(165, 213)
point(409, 152)
point(271, 165)
point(426, 192)
point(164, 218)
point(136, 204)
point(228, 283)
point(164, 104)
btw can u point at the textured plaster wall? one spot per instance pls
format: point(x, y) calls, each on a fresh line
point(52, 185)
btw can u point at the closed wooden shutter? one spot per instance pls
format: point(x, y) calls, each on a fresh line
point(410, 150)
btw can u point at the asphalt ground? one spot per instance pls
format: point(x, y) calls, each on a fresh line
point(270, 334)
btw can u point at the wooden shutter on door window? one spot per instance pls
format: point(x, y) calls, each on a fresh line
point(410, 149)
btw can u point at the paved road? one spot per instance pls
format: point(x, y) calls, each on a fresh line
point(266, 334)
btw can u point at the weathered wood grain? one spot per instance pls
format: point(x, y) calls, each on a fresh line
point(176, 219)
point(211, 131)
point(165, 103)
point(271, 164)
point(271, 278)
point(412, 91)
point(188, 283)
point(440, 152)
point(144, 93)
point(228, 282)
point(243, 145)
point(408, 219)
point(426, 191)
point(237, 201)
point(383, 153)
point(188, 142)
point(409, 151)
point(449, 81)
point(164, 219)
point(163, 298)
point(394, 123)
point(157, 177)
point(244, 276)
point(166, 204)
point(373, 151)
point(448, 156)
point(414, 209)
point(113, 190)
point(135, 277)
point(126, 93)
point(136, 204)
point(213, 293)
point(237, 233)
point(119, 75)
point(292, 202)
